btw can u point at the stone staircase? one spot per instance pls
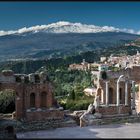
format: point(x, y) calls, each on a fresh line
point(107, 119)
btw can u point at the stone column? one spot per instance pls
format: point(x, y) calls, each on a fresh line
point(118, 93)
point(18, 106)
point(118, 90)
point(133, 95)
point(126, 93)
point(107, 93)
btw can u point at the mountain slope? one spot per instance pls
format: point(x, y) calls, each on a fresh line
point(59, 39)
point(15, 46)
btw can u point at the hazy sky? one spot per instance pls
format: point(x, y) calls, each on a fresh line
point(15, 15)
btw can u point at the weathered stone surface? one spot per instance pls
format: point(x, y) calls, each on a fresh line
point(98, 115)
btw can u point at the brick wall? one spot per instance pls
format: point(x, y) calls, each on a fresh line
point(111, 110)
point(44, 115)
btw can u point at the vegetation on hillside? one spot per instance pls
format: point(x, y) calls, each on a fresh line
point(68, 85)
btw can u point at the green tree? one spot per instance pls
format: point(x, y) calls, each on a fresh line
point(72, 95)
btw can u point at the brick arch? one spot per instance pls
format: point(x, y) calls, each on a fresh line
point(32, 99)
point(43, 99)
point(23, 90)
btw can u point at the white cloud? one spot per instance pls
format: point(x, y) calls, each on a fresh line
point(138, 32)
point(65, 27)
point(128, 31)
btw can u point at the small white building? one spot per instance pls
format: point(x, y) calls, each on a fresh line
point(102, 59)
point(90, 91)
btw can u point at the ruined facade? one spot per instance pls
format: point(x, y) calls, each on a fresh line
point(117, 91)
point(34, 99)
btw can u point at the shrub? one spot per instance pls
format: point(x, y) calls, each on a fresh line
point(80, 104)
point(72, 95)
point(7, 101)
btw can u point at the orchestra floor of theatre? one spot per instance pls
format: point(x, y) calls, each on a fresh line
point(128, 130)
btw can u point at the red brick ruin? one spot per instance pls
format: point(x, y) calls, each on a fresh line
point(34, 99)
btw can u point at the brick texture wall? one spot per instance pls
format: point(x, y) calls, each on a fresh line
point(44, 115)
point(111, 110)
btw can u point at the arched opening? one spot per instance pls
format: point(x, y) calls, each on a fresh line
point(104, 75)
point(18, 79)
point(37, 78)
point(26, 79)
point(110, 95)
point(121, 96)
point(43, 99)
point(32, 100)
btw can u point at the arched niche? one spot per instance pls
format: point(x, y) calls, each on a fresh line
point(111, 94)
point(32, 100)
point(43, 99)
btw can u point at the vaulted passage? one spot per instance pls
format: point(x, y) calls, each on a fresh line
point(43, 96)
point(32, 100)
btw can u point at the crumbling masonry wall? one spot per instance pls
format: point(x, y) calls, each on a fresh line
point(31, 90)
point(108, 86)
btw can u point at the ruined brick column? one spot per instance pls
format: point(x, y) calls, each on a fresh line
point(49, 96)
point(18, 108)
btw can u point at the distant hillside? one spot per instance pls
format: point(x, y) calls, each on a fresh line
point(51, 45)
point(137, 41)
point(31, 66)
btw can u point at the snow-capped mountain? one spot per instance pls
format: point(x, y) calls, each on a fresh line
point(60, 39)
point(66, 27)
